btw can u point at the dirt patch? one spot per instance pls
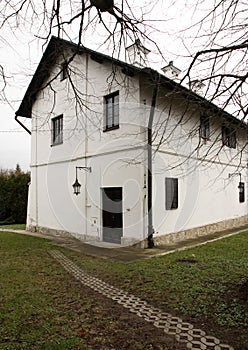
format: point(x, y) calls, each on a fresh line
point(103, 324)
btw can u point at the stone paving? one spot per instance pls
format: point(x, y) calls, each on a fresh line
point(183, 332)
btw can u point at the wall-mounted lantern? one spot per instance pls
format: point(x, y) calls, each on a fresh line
point(241, 187)
point(76, 186)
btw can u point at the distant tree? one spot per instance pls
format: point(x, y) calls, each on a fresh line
point(4, 212)
point(13, 195)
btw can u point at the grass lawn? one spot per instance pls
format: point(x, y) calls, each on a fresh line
point(14, 226)
point(42, 307)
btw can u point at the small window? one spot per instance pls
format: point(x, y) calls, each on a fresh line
point(171, 193)
point(228, 137)
point(111, 111)
point(241, 192)
point(57, 130)
point(64, 71)
point(204, 127)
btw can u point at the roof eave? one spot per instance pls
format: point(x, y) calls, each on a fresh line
point(49, 57)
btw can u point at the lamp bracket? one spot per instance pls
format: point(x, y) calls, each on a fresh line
point(234, 174)
point(86, 168)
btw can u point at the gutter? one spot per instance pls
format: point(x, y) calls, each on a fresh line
point(155, 79)
point(22, 125)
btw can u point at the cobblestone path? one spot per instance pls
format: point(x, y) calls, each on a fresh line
point(184, 332)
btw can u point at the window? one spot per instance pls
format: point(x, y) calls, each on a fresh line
point(57, 130)
point(64, 71)
point(228, 137)
point(241, 192)
point(171, 193)
point(112, 111)
point(204, 127)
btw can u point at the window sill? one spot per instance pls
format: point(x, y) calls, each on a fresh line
point(205, 140)
point(56, 144)
point(111, 128)
point(228, 146)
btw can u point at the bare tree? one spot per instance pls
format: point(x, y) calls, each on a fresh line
point(219, 33)
point(221, 61)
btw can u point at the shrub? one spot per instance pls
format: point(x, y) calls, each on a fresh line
point(13, 195)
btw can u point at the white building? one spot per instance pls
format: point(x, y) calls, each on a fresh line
point(90, 114)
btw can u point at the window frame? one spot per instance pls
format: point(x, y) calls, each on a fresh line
point(171, 193)
point(57, 130)
point(110, 113)
point(205, 127)
point(229, 137)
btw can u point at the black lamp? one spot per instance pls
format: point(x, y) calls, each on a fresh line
point(76, 186)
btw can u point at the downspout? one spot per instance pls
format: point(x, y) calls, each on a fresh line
point(149, 160)
point(86, 143)
point(22, 125)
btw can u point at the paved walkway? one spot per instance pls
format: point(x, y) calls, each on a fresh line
point(183, 332)
point(125, 254)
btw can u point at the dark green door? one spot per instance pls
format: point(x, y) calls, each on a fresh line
point(112, 214)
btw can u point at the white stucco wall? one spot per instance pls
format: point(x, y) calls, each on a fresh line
point(206, 196)
point(207, 172)
point(118, 158)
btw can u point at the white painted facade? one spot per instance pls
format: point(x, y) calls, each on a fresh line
point(207, 193)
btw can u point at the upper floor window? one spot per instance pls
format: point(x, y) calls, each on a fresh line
point(111, 111)
point(57, 130)
point(204, 127)
point(64, 71)
point(228, 137)
point(171, 193)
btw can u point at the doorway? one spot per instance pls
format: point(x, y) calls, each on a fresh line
point(112, 216)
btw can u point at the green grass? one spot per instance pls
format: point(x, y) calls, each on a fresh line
point(211, 291)
point(42, 307)
point(14, 226)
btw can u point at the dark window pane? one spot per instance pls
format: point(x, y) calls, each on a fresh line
point(64, 73)
point(57, 130)
point(232, 139)
point(112, 110)
point(205, 127)
point(171, 193)
point(228, 137)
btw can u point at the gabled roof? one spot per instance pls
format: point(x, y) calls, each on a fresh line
point(57, 45)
